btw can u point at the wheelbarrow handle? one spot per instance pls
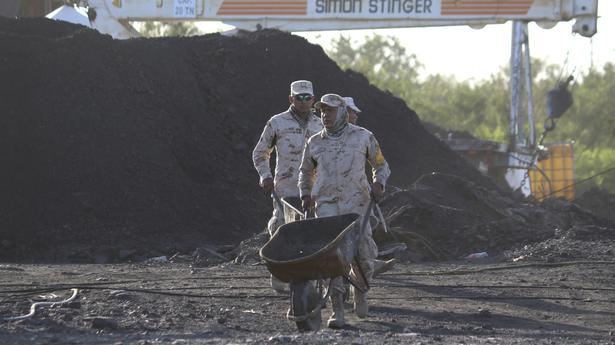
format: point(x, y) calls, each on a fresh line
point(367, 214)
point(381, 217)
point(277, 200)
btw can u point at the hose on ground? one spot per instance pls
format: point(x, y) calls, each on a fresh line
point(40, 304)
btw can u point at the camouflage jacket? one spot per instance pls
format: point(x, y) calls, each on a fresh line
point(333, 170)
point(288, 136)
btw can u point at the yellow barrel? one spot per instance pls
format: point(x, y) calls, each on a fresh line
point(554, 175)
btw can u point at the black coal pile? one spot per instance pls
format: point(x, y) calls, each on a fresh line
point(116, 150)
point(444, 217)
point(599, 201)
point(580, 235)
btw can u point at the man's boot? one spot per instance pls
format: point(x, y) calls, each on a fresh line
point(337, 318)
point(383, 266)
point(360, 304)
point(279, 286)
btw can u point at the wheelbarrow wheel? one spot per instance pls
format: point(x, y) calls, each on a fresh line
point(306, 308)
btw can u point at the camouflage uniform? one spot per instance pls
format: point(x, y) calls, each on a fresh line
point(333, 173)
point(287, 132)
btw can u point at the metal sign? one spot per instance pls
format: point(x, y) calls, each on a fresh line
point(184, 9)
point(372, 9)
point(310, 15)
point(331, 8)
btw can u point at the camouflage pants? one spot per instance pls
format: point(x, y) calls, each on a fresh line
point(280, 217)
point(367, 251)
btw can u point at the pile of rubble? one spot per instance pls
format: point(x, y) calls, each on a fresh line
point(599, 201)
point(445, 217)
point(144, 146)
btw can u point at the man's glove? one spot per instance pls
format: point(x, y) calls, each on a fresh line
point(306, 203)
point(267, 185)
point(377, 191)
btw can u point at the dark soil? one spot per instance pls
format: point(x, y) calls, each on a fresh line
point(144, 145)
point(598, 201)
point(451, 303)
point(445, 217)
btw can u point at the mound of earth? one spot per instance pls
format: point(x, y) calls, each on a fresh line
point(598, 201)
point(115, 150)
point(446, 217)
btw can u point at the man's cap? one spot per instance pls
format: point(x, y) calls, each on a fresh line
point(350, 104)
point(301, 87)
point(331, 100)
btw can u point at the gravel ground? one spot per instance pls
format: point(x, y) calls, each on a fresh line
point(486, 302)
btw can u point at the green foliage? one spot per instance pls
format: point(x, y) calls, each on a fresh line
point(591, 119)
point(594, 161)
point(590, 123)
point(167, 29)
point(462, 106)
point(483, 108)
point(383, 60)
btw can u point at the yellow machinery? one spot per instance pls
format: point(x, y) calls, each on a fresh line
point(553, 176)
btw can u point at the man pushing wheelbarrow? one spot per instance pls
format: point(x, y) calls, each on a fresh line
point(333, 182)
point(315, 255)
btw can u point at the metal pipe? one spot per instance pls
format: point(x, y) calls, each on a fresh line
point(515, 73)
point(528, 86)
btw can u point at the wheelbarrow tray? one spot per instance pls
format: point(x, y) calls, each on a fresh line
point(312, 249)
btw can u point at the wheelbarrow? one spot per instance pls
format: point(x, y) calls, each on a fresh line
point(308, 253)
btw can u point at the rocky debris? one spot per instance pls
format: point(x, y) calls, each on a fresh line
point(579, 242)
point(247, 251)
point(447, 217)
point(100, 322)
point(122, 295)
point(10, 268)
point(156, 260)
point(444, 217)
point(233, 304)
point(212, 255)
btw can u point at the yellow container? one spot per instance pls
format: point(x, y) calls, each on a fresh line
point(554, 175)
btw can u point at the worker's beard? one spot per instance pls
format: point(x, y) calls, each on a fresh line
point(340, 123)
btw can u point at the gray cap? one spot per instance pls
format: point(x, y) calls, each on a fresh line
point(350, 104)
point(301, 87)
point(331, 100)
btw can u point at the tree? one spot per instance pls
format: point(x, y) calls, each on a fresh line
point(589, 123)
point(483, 108)
point(167, 29)
point(438, 99)
point(383, 60)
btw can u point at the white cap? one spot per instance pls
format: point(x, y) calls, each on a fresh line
point(351, 105)
point(301, 86)
point(331, 100)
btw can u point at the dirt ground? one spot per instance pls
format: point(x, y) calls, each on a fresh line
point(446, 303)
